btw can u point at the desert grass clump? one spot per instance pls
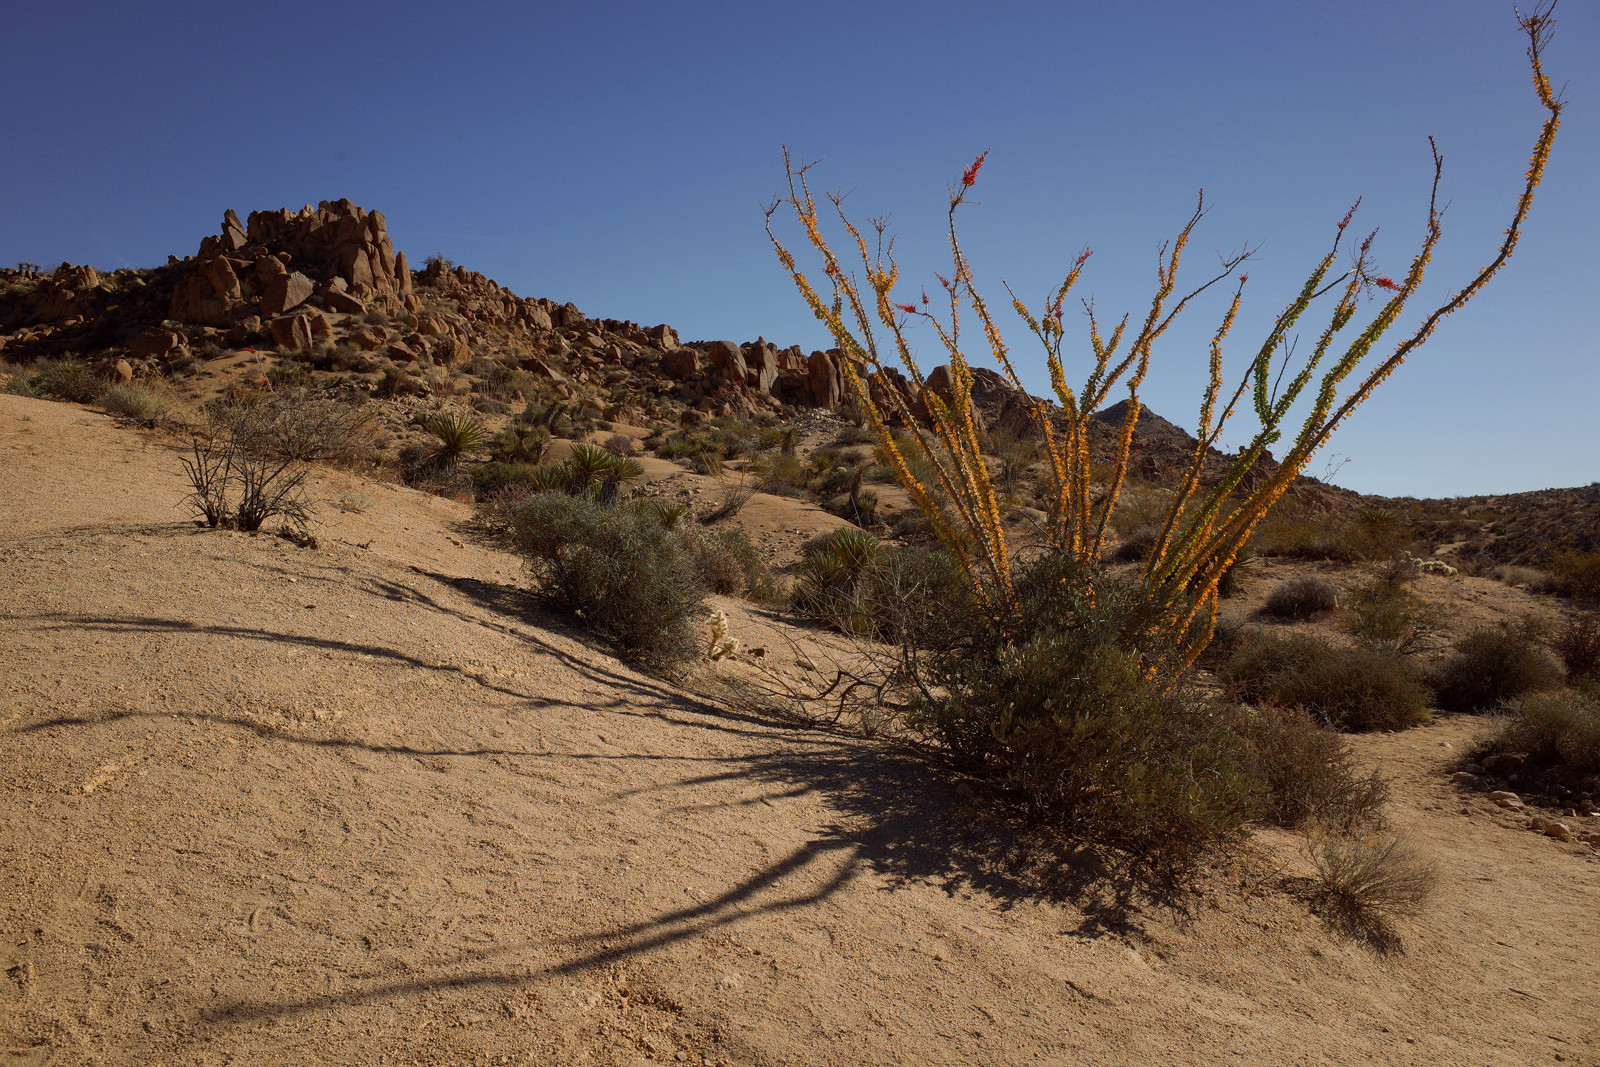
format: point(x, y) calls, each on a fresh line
point(1491, 665)
point(1309, 772)
point(1301, 599)
point(1348, 688)
point(623, 574)
point(1551, 731)
point(145, 404)
point(1577, 644)
point(1365, 880)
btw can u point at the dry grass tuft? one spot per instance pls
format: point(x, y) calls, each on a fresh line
point(1365, 882)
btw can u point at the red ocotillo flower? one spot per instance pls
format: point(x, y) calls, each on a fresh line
point(970, 175)
point(1386, 283)
point(909, 309)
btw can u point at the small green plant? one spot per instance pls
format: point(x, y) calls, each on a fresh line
point(1348, 688)
point(1492, 665)
point(1301, 599)
point(458, 435)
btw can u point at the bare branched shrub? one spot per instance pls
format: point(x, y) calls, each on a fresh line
point(1578, 645)
point(1309, 771)
point(249, 466)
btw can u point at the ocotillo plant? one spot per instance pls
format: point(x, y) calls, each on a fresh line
point(1206, 525)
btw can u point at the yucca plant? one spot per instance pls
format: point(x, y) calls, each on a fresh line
point(458, 435)
point(1206, 523)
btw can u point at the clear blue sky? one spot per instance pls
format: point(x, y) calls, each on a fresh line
point(617, 155)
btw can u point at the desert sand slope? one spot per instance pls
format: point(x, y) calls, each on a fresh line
point(360, 805)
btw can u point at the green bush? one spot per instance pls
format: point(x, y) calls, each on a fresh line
point(1348, 688)
point(1554, 730)
point(1309, 771)
point(1073, 707)
point(497, 477)
point(625, 575)
point(1492, 665)
point(1301, 599)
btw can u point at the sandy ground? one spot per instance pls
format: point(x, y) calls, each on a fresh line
point(363, 804)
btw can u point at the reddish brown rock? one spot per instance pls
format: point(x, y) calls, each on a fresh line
point(154, 343)
point(285, 292)
point(681, 363)
point(728, 360)
point(292, 331)
point(826, 380)
point(339, 300)
point(370, 338)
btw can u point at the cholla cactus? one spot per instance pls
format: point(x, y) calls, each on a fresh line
point(721, 646)
point(1206, 525)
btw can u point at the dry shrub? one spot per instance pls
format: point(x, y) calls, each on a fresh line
point(67, 379)
point(760, 584)
point(1492, 665)
point(713, 562)
point(1387, 615)
point(1293, 535)
point(1348, 688)
point(1578, 645)
point(1576, 574)
point(1554, 730)
point(1309, 771)
point(1511, 574)
point(1301, 599)
point(1366, 880)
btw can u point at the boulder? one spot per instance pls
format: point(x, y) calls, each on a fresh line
point(728, 360)
point(292, 331)
point(681, 364)
point(663, 337)
point(154, 343)
point(761, 363)
point(286, 292)
point(233, 235)
point(123, 371)
point(370, 338)
point(535, 365)
point(339, 300)
point(827, 382)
